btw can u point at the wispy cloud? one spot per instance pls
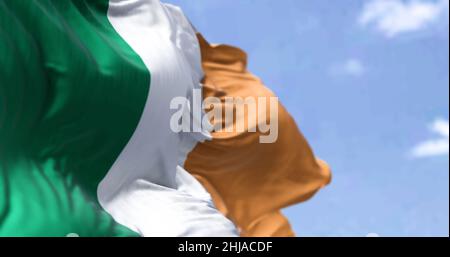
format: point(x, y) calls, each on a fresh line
point(351, 67)
point(394, 17)
point(434, 147)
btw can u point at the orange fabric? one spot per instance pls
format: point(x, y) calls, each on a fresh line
point(250, 182)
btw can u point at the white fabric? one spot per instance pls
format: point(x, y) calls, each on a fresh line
point(147, 189)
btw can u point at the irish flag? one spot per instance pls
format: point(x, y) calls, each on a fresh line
point(86, 143)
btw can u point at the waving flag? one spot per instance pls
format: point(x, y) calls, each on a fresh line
point(86, 145)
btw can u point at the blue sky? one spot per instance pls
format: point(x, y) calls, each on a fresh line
point(368, 84)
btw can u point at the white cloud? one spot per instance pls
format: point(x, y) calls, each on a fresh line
point(434, 147)
point(351, 67)
point(393, 17)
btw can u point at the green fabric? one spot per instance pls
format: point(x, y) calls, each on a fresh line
point(71, 95)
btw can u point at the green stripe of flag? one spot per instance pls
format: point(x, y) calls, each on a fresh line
point(65, 114)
